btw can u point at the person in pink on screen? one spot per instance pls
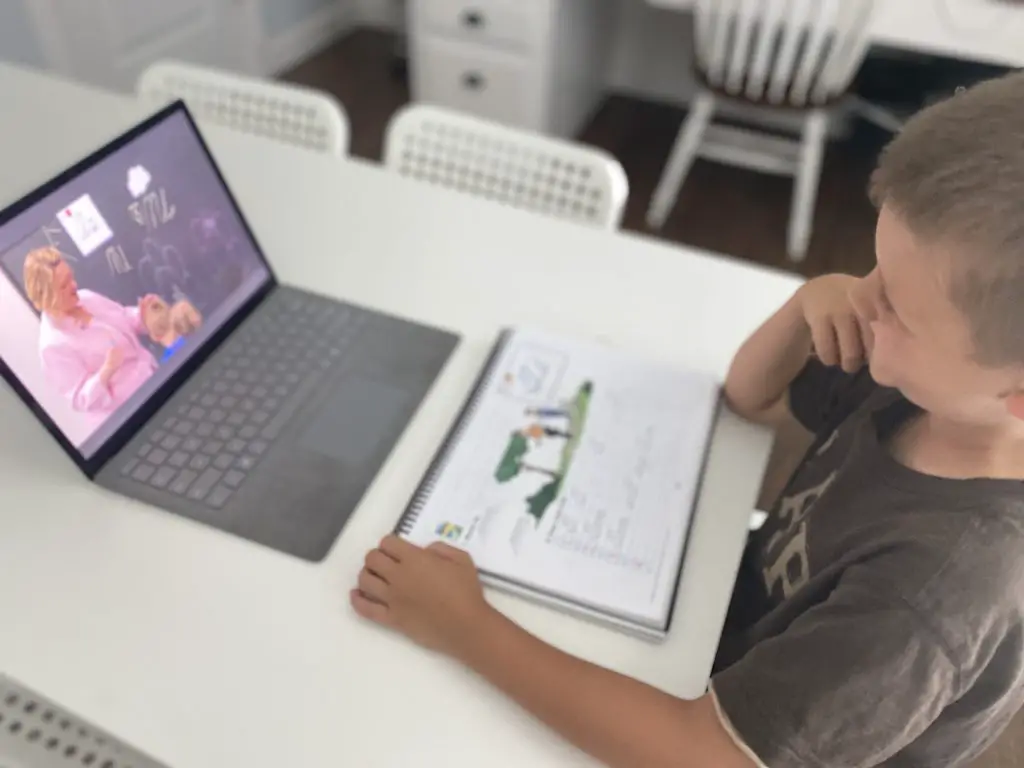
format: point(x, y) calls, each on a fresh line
point(89, 345)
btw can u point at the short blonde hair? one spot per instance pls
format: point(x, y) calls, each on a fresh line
point(955, 176)
point(40, 265)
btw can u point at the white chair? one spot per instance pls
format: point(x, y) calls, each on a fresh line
point(509, 165)
point(797, 54)
point(276, 110)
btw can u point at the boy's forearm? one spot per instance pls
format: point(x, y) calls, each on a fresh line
point(768, 361)
point(620, 721)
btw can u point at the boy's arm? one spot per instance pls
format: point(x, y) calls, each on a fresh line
point(621, 721)
point(434, 597)
point(818, 318)
point(766, 364)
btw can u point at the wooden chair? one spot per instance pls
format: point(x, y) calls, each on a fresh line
point(799, 55)
point(276, 110)
point(509, 165)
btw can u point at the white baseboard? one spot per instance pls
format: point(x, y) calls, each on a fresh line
point(307, 37)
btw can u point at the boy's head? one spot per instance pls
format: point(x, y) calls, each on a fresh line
point(946, 299)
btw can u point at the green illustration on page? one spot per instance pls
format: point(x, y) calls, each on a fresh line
point(562, 422)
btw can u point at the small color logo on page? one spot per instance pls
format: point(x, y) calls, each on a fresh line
point(449, 531)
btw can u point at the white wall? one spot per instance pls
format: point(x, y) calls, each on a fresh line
point(283, 31)
point(18, 39)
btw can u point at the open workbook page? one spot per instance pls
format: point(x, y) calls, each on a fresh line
point(573, 473)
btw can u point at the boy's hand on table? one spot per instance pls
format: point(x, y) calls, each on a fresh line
point(432, 595)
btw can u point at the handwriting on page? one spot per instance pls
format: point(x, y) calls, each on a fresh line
point(602, 524)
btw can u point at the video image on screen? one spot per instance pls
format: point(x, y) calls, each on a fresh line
point(112, 278)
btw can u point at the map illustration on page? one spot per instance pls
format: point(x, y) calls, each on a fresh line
point(575, 474)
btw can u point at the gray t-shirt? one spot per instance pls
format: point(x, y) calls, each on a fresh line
point(878, 619)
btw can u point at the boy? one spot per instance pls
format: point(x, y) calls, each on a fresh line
point(877, 619)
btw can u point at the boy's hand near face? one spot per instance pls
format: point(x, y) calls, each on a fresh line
point(819, 319)
point(432, 595)
point(838, 335)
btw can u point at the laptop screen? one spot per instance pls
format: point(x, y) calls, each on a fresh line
point(111, 281)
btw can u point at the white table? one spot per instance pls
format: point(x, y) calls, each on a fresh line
point(208, 651)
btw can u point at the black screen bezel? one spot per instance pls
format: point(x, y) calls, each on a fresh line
point(92, 465)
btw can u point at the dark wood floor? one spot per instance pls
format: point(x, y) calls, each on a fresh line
point(723, 209)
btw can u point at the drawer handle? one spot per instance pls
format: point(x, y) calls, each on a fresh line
point(473, 19)
point(474, 81)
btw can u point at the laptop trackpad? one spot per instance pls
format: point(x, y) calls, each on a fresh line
point(353, 422)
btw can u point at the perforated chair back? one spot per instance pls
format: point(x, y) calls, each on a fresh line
point(286, 113)
point(508, 165)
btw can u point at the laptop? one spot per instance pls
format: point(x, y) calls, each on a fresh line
point(145, 328)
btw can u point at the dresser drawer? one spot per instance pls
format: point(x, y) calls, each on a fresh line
point(514, 24)
point(478, 80)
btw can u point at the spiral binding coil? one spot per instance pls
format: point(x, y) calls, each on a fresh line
point(419, 500)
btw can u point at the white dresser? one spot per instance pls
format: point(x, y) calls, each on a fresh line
point(543, 64)
point(537, 64)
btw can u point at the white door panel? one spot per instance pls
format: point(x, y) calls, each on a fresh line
point(109, 42)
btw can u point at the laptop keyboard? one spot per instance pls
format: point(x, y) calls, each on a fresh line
point(246, 395)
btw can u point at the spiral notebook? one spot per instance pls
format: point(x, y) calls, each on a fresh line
point(571, 476)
